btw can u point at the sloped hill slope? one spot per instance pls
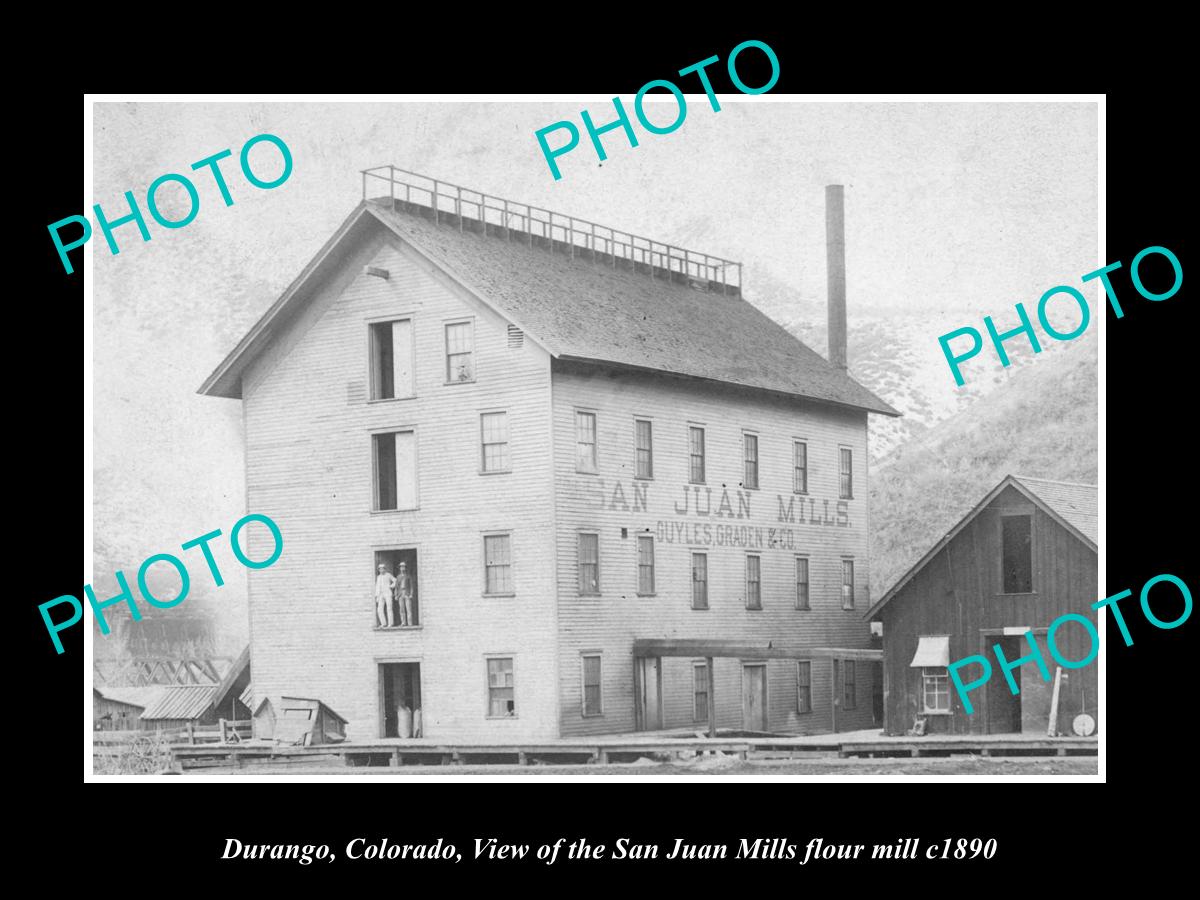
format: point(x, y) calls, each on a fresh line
point(1042, 423)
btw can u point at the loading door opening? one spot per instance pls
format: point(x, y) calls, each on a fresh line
point(400, 607)
point(400, 692)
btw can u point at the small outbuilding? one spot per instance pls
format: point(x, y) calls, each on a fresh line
point(119, 709)
point(1023, 556)
point(298, 720)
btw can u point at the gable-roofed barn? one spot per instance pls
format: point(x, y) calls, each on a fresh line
point(546, 478)
point(1021, 557)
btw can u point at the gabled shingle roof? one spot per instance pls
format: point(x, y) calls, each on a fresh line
point(1077, 503)
point(582, 310)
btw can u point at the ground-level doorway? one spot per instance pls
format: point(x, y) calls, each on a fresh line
point(647, 673)
point(754, 696)
point(400, 700)
point(1029, 710)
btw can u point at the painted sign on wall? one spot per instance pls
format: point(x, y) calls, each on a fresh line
point(697, 501)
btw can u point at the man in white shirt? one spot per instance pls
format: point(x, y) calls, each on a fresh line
point(385, 583)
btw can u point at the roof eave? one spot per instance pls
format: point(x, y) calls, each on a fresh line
point(883, 409)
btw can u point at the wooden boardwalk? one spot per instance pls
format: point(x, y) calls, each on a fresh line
point(608, 749)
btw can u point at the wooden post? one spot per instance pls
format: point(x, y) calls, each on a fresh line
point(191, 732)
point(1052, 727)
point(712, 699)
point(638, 713)
point(833, 692)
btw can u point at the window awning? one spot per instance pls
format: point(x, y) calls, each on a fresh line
point(933, 652)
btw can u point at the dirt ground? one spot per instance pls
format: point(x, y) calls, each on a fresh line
point(721, 766)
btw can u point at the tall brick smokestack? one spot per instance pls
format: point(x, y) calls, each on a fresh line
point(835, 265)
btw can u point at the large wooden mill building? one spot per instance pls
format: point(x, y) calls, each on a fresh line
point(624, 498)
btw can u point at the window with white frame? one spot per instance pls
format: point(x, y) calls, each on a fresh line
point(589, 563)
point(497, 563)
point(847, 584)
point(644, 448)
point(502, 701)
point(845, 474)
point(493, 428)
point(460, 351)
point(585, 441)
point(750, 458)
point(593, 695)
point(935, 690)
point(645, 548)
point(699, 581)
point(800, 467)
point(696, 454)
point(802, 582)
point(753, 582)
point(803, 686)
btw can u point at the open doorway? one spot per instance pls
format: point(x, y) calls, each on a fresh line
point(1029, 710)
point(400, 700)
point(405, 602)
point(1003, 706)
point(647, 674)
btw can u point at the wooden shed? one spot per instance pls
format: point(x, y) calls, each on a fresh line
point(298, 720)
point(1023, 556)
point(114, 710)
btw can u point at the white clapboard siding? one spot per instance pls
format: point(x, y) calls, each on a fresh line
point(308, 466)
point(612, 500)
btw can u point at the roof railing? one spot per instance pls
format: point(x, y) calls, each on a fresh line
point(456, 205)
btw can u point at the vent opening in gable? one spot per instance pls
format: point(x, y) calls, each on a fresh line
point(516, 337)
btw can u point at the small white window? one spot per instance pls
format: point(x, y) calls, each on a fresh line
point(493, 428)
point(750, 454)
point(645, 546)
point(593, 694)
point(460, 352)
point(935, 690)
point(497, 564)
point(585, 441)
point(502, 701)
